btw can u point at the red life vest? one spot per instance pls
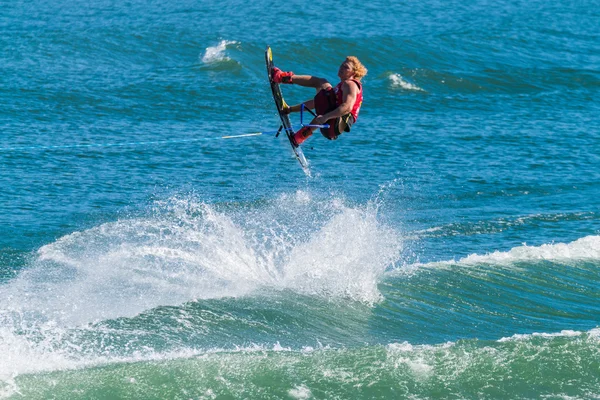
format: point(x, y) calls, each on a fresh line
point(328, 100)
point(359, 98)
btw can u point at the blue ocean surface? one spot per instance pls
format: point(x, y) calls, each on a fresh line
point(448, 247)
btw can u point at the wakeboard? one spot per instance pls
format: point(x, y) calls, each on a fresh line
point(280, 103)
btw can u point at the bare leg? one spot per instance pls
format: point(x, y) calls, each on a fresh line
point(311, 81)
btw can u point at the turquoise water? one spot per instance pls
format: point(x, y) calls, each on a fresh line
point(448, 247)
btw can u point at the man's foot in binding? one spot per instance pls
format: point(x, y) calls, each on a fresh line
point(300, 136)
point(281, 77)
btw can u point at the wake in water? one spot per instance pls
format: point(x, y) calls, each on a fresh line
point(63, 310)
point(190, 250)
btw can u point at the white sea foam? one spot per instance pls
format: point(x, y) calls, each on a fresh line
point(594, 333)
point(300, 392)
point(217, 53)
point(455, 358)
point(21, 356)
point(122, 268)
point(345, 258)
point(421, 361)
point(26, 354)
point(581, 249)
point(587, 248)
point(398, 81)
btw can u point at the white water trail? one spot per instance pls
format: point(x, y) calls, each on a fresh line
point(182, 251)
point(189, 250)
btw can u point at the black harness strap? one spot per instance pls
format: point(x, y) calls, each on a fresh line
point(310, 111)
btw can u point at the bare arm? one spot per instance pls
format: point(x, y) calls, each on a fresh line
point(350, 90)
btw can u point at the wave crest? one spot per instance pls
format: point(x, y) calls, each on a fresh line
point(217, 53)
point(398, 81)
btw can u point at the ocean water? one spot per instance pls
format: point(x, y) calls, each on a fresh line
point(447, 248)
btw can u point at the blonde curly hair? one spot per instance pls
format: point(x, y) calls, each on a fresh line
point(359, 70)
